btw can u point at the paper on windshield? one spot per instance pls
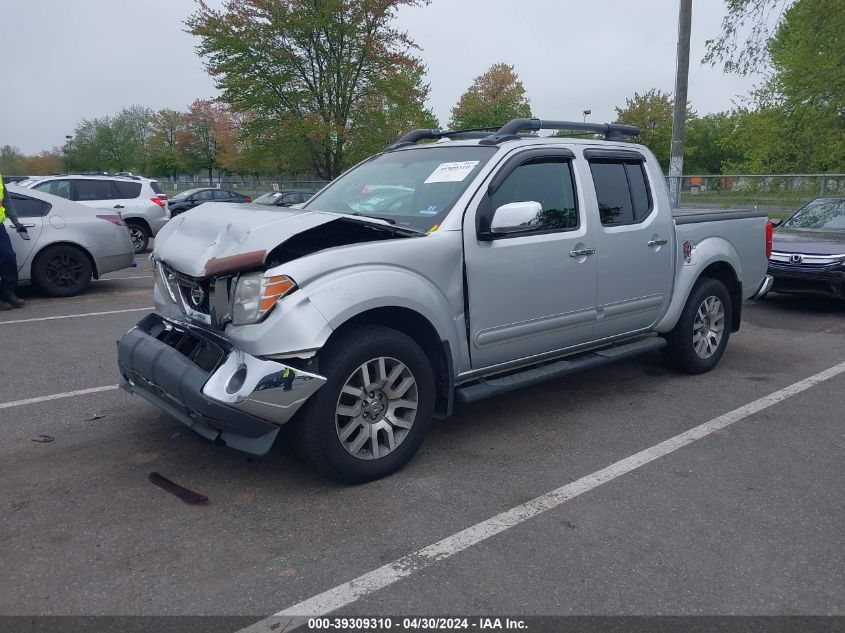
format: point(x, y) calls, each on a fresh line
point(451, 172)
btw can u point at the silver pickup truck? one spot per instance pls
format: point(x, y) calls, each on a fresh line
point(433, 273)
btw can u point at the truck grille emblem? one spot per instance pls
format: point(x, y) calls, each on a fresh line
point(796, 259)
point(197, 295)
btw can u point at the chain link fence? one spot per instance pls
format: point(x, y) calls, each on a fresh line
point(779, 194)
point(252, 188)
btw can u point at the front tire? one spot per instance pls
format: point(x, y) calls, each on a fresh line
point(698, 340)
point(370, 417)
point(62, 270)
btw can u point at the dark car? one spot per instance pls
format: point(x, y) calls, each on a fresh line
point(283, 198)
point(808, 250)
point(191, 198)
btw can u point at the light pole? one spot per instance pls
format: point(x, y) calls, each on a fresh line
point(68, 139)
point(679, 108)
point(586, 112)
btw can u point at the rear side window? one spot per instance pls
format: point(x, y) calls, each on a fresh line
point(622, 191)
point(156, 187)
point(88, 190)
point(27, 207)
point(129, 189)
point(59, 188)
point(547, 181)
point(223, 194)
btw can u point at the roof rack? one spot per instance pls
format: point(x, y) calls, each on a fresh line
point(509, 131)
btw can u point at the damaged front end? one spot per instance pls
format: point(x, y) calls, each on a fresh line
point(218, 391)
point(206, 356)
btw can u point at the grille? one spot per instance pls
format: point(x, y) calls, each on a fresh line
point(204, 354)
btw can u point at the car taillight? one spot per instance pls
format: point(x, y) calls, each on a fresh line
point(114, 219)
point(158, 201)
point(248, 199)
point(769, 233)
point(162, 196)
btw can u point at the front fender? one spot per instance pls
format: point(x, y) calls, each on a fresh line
point(709, 251)
point(347, 293)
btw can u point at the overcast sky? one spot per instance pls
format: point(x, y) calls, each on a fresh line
point(67, 60)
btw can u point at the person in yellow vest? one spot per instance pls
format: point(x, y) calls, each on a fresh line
point(8, 260)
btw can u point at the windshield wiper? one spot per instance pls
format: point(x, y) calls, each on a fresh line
point(375, 217)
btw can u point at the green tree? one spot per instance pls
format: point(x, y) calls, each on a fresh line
point(652, 113)
point(742, 46)
point(163, 156)
point(708, 144)
point(199, 144)
point(492, 100)
point(308, 65)
point(12, 161)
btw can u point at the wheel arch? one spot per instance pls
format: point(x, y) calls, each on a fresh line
point(138, 219)
point(94, 271)
point(422, 331)
point(722, 271)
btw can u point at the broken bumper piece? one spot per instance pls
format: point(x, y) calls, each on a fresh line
point(218, 391)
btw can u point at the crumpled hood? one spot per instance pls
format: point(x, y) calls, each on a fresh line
point(221, 237)
point(809, 242)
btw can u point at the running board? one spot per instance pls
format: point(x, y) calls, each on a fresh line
point(497, 386)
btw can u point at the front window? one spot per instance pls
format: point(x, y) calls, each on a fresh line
point(412, 188)
point(824, 214)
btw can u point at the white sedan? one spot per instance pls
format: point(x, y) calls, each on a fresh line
point(69, 243)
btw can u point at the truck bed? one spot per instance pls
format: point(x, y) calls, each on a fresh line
point(694, 215)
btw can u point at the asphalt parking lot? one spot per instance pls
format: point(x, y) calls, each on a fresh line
point(745, 520)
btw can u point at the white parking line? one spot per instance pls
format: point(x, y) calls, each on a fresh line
point(364, 585)
point(56, 396)
point(74, 316)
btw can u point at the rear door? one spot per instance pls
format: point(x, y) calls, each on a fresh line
point(535, 291)
point(98, 194)
point(31, 213)
point(633, 243)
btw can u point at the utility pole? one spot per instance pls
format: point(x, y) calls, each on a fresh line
point(679, 111)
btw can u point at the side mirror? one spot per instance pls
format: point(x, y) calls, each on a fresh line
point(776, 223)
point(515, 217)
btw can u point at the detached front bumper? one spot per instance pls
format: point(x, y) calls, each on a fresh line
point(220, 392)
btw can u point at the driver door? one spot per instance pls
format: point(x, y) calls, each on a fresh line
point(533, 291)
point(30, 213)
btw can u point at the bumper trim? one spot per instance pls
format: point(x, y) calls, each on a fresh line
point(242, 400)
point(764, 288)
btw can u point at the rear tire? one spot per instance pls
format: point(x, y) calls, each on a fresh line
point(62, 270)
point(140, 236)
point(360, 434)
point(698, 340)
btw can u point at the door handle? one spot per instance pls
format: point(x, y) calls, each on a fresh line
point(27, 226)
point(118, 206)
point(581, 252)
point(658, 242)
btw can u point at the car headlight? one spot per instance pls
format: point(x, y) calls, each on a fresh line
point(256, 294)
point(161, 281)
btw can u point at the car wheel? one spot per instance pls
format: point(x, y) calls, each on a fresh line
point(62, 270)
point(370, 417)
point(140, 236)
point(698, 340)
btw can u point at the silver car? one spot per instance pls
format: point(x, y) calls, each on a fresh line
point(68, 245)
point(140, 201)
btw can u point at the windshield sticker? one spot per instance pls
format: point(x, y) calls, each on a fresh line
point(451, 172)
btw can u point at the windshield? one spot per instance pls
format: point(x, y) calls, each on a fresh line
point(184, 194)
point(268, 198)
point(822, 214)
point(413, 188)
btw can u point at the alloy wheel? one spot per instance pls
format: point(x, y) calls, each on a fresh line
point(708, 327)
point(376, 408)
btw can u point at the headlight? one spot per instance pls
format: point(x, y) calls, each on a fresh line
point(255, 296)
point(161, 282)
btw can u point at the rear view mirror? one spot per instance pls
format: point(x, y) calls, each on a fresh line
point(515, 217)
